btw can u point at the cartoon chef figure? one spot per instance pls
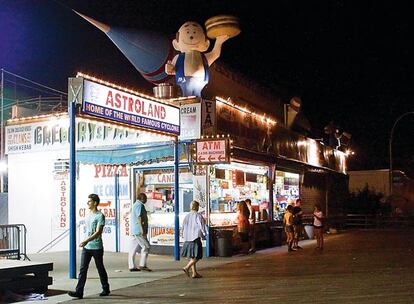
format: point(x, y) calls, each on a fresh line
point(190, 67)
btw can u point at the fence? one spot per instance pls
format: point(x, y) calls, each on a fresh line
point(13, 242)
point(370, 221)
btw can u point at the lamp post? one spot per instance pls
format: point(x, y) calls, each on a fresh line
point(390, 146)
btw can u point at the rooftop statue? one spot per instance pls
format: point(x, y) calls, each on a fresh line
point(190, 66)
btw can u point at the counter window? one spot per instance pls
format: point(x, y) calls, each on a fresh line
point(233, 182)
point(159, 187)
point(286, 191)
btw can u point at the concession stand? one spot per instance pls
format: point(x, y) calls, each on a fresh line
point(217, 151)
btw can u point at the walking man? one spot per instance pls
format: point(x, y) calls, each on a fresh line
point(139, 230)
point(92, 247)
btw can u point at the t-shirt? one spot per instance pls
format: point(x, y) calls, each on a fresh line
point(92, 222)
point(316, 222)
point(297, 218)
point(138, 209)
point(194, 226)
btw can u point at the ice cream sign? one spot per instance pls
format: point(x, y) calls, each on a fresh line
point(109, 103)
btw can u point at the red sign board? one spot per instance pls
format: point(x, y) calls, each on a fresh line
point(212, 151)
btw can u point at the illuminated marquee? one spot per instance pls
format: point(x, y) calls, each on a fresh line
point(113, 104)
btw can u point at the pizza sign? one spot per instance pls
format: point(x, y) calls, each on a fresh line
point(212, 151)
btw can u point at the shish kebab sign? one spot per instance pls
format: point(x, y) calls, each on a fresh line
point(213, 151)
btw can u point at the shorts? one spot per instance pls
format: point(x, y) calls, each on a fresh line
point(289, 229)
point(298, 229)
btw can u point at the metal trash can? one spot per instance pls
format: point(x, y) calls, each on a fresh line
point(224, 243)
point(309, 231)
point(276, 235)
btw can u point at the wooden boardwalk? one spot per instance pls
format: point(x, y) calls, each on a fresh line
point(356, 267)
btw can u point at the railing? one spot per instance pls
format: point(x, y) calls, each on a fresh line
point(370, 221)
point(57, 240)
point(13, 242)
point(54, 242)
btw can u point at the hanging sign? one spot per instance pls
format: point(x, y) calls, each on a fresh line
point(213, 151)
point(109, 103)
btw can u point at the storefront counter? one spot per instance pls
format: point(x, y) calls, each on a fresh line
point(225, 240)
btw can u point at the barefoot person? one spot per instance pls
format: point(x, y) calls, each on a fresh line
point(288, 222)
point(194, 228)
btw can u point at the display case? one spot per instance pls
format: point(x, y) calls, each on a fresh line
point(158, 185)
point(235, 182)
point(286, 191)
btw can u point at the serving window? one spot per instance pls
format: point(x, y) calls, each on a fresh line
point(234, 182)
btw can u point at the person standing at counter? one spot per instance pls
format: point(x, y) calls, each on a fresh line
point(194, 228)
point(252, 222)
point(139, 231)
point(243, 226)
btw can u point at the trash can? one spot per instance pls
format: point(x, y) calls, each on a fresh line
point(276, 235)
point(309, 231)
point(224, 243)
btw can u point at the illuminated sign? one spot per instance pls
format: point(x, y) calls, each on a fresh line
point(212, 151)
point(190, 120)
point(53, 135)
point(112, 104)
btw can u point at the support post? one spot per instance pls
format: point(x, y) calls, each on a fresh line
point(116, 199)
point(2, 142)
point(209, 230)
point(176, 202)
point(72, 192)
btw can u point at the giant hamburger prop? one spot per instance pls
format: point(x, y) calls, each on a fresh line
point(222, 25)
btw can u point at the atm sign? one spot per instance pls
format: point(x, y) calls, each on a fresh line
point(212, 151)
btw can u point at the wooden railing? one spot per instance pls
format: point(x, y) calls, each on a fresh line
point(370, 221)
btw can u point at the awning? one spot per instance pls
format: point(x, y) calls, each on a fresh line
point(129, 154)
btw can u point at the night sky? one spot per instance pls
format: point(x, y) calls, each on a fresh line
point(351, 61)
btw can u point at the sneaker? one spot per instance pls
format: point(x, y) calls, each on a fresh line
point(291, 249)
point(74, 294)
point(104, 293)
point(134, 269)
point(145, 268)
